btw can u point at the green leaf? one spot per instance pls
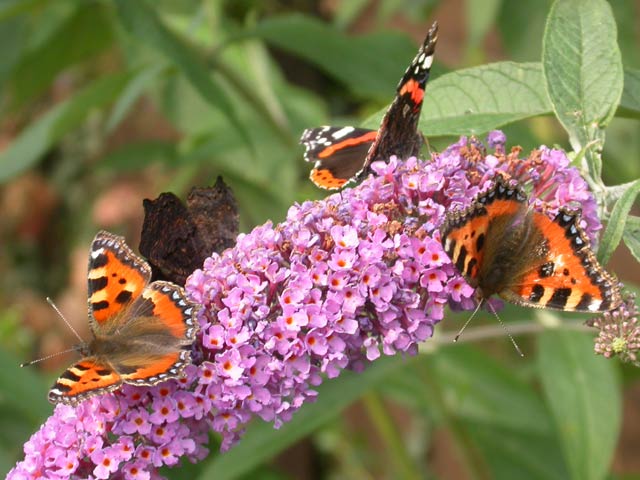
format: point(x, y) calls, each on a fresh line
point(90, 30)
point(630, 101)
point(631, 235)
point(12, 32)
point(369, 65)
point(616, 224)
point(142, 21)
point(484, 401)
point(12, 8)
point(582, 70)
point(517, 454)
point(583, 393)
point(18, 384)
point(40, 136)
point(262, 441)
point(480, 390)
point(479, 99)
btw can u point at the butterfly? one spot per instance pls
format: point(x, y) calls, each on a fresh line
point(142, 332)
point(502, 246)
point(342, 154)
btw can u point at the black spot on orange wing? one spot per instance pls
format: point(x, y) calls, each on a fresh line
point(124, 296)
point(537, 292)
point(546, 269)
point(584, 303)
point(559, 298)
point(479, 241)
point(99, 261)
point(97, 306)
point(99, 283)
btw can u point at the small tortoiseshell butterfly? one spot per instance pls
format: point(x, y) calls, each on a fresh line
point(502, 246)
point(142, 332)
point(342, 154)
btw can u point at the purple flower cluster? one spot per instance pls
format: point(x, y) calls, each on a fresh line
point(338, 283)
point(125, 435)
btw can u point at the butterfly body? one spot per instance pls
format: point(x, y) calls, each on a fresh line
point(502, 246)
point(141, 332)
point(342, 154)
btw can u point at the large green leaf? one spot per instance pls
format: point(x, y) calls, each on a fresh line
point(583, 393)
point(29, 147)
point(479, 99)
point(631, 235)
point(369, 65)
point(12, 8)
point(480, 390)
point(12, 32)
point(142, 21)
point(630, 101)
point(262, 441)
point(518, 453)
point(616, 225)
point(90, 29)
point(482, 400)
point(582, 70)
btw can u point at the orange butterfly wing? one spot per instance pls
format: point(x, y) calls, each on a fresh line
point(82, 380)
point(465, 234)
point(117, 276)
point(568, 276)
point(162, 328)
point(142, 332)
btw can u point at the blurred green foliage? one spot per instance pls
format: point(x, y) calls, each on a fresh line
point(225, 88)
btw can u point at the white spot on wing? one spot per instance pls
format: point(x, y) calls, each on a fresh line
point(593, 307)
point(342, 132)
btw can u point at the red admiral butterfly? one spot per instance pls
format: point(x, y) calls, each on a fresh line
point(342, 154)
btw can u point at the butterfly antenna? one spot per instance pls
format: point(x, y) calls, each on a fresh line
point(27, 364)
point(468, 320)
point(53, 305)
point(515, 345)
